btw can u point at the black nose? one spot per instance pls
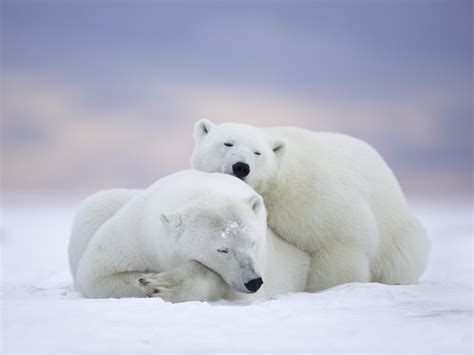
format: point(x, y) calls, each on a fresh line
point(241, 169)
point(254, 285)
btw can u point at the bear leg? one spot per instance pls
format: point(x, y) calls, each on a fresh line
point(191, 281)
point(119, 285)
point(335, 267)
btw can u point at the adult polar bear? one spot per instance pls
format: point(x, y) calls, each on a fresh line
point(197, 233)
point(331, 195)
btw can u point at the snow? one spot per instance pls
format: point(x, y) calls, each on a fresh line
point(41, 312)
point(233, 228)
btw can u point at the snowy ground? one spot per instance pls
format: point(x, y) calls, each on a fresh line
point(41, 313)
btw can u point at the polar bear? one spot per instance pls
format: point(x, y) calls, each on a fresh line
point(190, 236)
point(329, 194)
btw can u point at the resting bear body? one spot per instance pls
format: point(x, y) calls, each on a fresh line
point(190, 236)
point(329, 194)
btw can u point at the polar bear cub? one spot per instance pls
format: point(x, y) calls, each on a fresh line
point(330, 195)
point(190, 236)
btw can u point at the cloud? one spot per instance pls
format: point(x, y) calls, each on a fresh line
point(343, 49)
point(73, 144)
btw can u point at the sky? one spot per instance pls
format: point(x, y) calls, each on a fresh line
point(99, 94)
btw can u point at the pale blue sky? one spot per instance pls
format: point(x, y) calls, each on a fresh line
point(360, 67)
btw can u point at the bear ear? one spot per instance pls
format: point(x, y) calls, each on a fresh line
point(173, 221)
point(256, 203)
point(279, 147)
point(202, 127)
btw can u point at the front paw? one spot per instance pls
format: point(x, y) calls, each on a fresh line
point(163, 285)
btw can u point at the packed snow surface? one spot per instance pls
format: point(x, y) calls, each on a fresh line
point(42, 313)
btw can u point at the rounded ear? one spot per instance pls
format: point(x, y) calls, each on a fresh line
point(172, 221)
point(256, 203)
point(279, 147)
point(202, 127)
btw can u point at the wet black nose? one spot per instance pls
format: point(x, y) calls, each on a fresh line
point(254, 285)
point(240, 169)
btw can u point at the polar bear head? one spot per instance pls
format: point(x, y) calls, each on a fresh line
point(239, 150)
point(227, 235)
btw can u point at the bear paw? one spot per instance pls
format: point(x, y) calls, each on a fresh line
point(163, 285)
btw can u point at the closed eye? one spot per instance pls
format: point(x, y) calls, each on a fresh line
point(257, 153)
point(228, 144)
point(225, 250)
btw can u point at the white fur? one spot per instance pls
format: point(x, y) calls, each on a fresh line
point(330, 195)
point(168, 237)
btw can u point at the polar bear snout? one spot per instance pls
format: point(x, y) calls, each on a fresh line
point(241, 169)
point(254, 285)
